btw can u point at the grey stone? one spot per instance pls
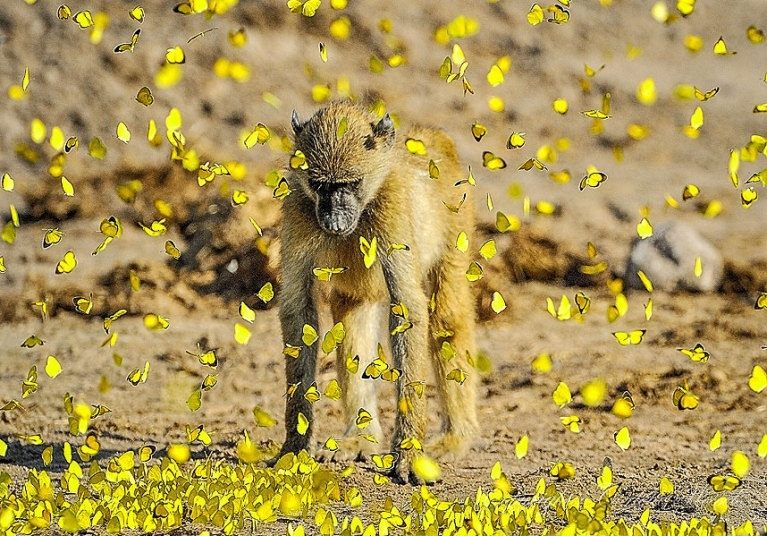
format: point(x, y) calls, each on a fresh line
point(667, 258)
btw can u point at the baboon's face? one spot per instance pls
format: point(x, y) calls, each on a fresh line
point(343, 172)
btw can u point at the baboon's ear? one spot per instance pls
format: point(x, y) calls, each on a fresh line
point(295, 122)
point(384, 128)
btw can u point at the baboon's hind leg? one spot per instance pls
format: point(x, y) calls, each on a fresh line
point(454, 313)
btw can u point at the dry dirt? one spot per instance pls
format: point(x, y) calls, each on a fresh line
point(87, 89)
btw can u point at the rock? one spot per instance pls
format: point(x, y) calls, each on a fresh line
point(667, 258)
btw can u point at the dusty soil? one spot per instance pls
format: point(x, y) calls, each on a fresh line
point(86, 89)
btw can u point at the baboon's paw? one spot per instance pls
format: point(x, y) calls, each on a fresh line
point(448, 447)
point(402, 472)
point(352, 448)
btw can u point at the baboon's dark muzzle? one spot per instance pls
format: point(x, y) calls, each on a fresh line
point(338, 211)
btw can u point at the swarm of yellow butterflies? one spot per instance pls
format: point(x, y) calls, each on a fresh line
point(135, 490)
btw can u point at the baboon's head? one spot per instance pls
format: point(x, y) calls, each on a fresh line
point(347, 152)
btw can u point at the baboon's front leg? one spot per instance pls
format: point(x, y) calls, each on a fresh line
point(298, 307)
point(362, 324)
point(409, 351)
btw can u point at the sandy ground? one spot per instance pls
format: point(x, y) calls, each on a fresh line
point(86, 89)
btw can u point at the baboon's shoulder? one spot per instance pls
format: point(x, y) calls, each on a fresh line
point(437, 141)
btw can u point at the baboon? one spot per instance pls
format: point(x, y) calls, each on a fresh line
point(353, 181)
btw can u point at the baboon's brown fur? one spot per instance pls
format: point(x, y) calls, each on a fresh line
point(365, 183)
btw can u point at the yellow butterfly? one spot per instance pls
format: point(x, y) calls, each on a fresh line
point(724, 482)
point(7, 182)
point(209, 382)
point(478, 131)
point(720, 48)
point(325, 274)
point(333, 338)
point(91, 446)
point(474, 272)
point(563, 312)
point(197, 434)
point(52, 237)
point(312, 394)
point(562, 470)
point(32, 341)
point(137, 14)
point(108, 320)
point(491, 161)
point(495, 76)
point(698, 353)
point(384, 462)
point(455, 208)
point(282, 190)
point(309, 336)
point(331, 444)
point(63, 12)
point(572, 423)
point(67, 264)
point(644, 228)
point(624, 406)
point(307, 8)
point(516, 140)
point(623, 438)
point(433, 170)
point(156, 228)
point(391, 374)
point(457, 375)
point(761, 301)
point(416, 147)
point(375, 369)
point(605, 479)
point(11, 405)
point(369, 250)
point(172, 250)
point(262, 418)
point(333, 390)
point(379, 479)
point(748, 196)
point(410, 443)
point(561, 395)
point(175, 55)
point(30, 385)
point(52, 367)
point(758, 379)
point(83, 305)
point(497, 303)
point(292, 351)
point(144, 96)
point(364, 418)
point(625, 338)
point(506, 223)
point(595, 114)
point(155, 322)
point(71, 143)
point(84, 19)
point(592, 180)
point(343, 124)
point(352, 363)
point(207, 359)
point(259, 135)
point(488, 250)
point(138, 375)
point(684, 398)
point(124, 47)
point(583, 303)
